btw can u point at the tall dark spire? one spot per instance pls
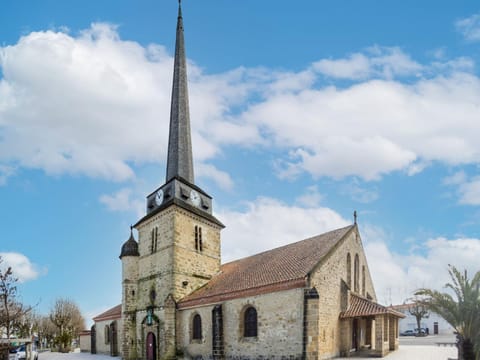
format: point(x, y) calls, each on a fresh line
point(180, 160)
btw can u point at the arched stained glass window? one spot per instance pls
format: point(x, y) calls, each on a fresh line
point(250, 322)
point(349, 270)
point(197, 327)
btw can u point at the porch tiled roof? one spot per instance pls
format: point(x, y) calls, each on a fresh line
point(110, 314)
point(360, 306)
point(282, 268)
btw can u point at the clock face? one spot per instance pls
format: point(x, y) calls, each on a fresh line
point(195, 198)
point(159, 197)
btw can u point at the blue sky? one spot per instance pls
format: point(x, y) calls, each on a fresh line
point(300, 115)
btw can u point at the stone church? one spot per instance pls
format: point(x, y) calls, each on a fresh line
point(312, 299)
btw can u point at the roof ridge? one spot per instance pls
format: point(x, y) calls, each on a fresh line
point(271, 268)
point(107, 313)
point(288, 245)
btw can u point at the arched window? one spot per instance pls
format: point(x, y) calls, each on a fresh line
point(198, 238)
point(363, 280)
point(349, 270)
point(356, 274)
point(250, 322)
point(154, 238)
point(197, 327)
point(106, 334)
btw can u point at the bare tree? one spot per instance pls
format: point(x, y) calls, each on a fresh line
point(66, 316)
point(418, 309)
point(46, 331)
point(11, 309)
point(27, 324)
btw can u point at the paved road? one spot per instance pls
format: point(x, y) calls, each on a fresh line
point(406, 352)
point(422, 348)
point(426, 340)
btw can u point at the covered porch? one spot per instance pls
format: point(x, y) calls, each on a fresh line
point(368, 328)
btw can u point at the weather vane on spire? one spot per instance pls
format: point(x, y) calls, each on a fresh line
point(355, 217)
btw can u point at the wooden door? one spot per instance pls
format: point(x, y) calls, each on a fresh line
point(355, 334)
point(151, 346)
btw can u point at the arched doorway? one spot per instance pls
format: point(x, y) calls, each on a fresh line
point(151, 346)
point(355, 333)
point(113, 339)
point(93, 339)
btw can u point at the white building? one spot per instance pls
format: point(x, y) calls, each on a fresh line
point(434, 322)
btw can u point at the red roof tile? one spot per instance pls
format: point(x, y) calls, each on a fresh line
point(274, 270)
point(360, 306)
point(110, 314)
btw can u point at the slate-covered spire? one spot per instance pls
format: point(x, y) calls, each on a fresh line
point(180, 160)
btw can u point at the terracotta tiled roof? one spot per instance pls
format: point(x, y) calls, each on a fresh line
point(282, 268)
point(360, 306)
point(110, 314)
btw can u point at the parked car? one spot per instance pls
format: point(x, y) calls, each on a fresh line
point(13, 353)
point(421, 332)
point(19, 353)
point(408, 333)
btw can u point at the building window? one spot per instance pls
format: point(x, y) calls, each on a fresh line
point(107, 334)
point(198, 238)
point(363, 280)
point(250, 322)
point(349, 270)
point(197, 327)
point(356, 274)
point(154, 238)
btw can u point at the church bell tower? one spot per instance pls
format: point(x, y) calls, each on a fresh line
point(178, 247)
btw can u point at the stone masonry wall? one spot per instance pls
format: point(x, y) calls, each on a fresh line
point(312, 305)
point(168, 265)
point(155, 267)
point(194, 267)
point(175, 266)
point(127, 337)
point(327, 279)
point(280, 328)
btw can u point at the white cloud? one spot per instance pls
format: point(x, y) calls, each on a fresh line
point(269, 223)
point(5, 173)
point(374, 128)
point(468, 189)
point(382, 62)
point(416, 167)
point(95, 104)
point(457, 178)
point(123, 200)
point(469, 27)
point(425, 266)
point(222, 178)
point(470, 192)
point(54, 115)
point(311, 198)
point(23, 269)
